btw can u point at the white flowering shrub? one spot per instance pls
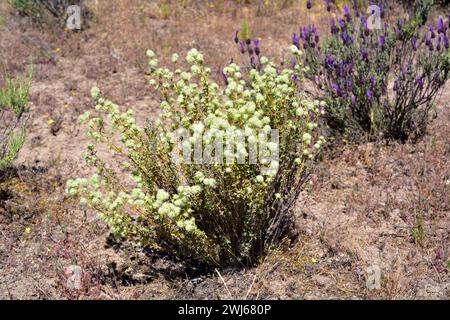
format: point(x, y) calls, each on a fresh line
point(221, 208)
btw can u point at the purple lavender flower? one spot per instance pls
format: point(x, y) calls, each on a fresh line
point(414, 43)
point(248, 41)
point(369, 94)
point(328, 5)
point(350, 85)
point(433, 34)
point(365, 56)
point(372, 6)
point(295, 40)
point(250, 49)
point(242, 47)
point(336, 88)
point(382, 11)
point(438, 46)
point(308, 4)
point(345, 37)
point(257, 51)
point(441, 27)
point(333, 26)
point(382, 41)
point(400, 25)
point(366, 26)
point(419, 81)
point(316, 35)
point(347, 13)
point(330, 61)
point(428, 42)
point(446, 45)
point(236, 36)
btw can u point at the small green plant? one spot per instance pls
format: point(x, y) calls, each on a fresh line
point(13, 105)
point(220, 207)
point(26, 7)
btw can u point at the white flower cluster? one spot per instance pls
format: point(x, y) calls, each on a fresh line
point(176, 207)
point(163, 195)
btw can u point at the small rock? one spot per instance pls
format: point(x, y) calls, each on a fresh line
point(373, 277)
point(73, 274)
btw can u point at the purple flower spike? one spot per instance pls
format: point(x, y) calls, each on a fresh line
point(316, 35)
point(438, 46)
point(248, 41)
point(365, 56)
point(382, 41)
point(345, 37)
point(369, 94)
point(419, 82)
point(257, 51)
point(336, 88)
point(441, 28)
point(333, 26)
point(328, 5)
point(414, 43)
point(242, 47)
point(433, 34)
point(382, 11)
point(250, 49)
point(330, 61)
point(446, 45)
point(347, 14)
point(308, 4)
point(295, 40)
point(236, 36)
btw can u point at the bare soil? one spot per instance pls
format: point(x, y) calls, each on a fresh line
point(384, 205)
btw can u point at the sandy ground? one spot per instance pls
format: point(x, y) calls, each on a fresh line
point(367, 205)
